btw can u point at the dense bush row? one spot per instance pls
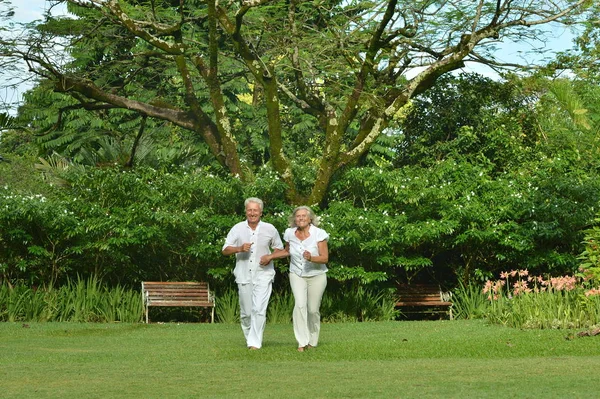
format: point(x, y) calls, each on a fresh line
point(463, 187)
point(448, 221)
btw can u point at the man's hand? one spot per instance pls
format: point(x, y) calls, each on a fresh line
point(246, 247)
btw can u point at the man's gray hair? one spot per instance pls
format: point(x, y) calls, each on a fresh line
point(255, 200)
point(314, 219)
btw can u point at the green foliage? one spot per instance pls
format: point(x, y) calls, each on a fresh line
point(281, 307)
point(590, 257)
point(475, 191)
point(227, 306)
point(76, 301)
point(457, 217)
point(469, 301)
point(18, 173)
point(467, 113)
point(358, 304)
point(581, 59)
point(122, 225)
point(267, 187)
point(564, 310)
point(300, 85)
point(37, 236)
point(521, 300)
point(478, 192)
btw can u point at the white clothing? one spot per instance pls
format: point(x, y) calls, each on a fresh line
point(254, 299)
point(255, 282)
point(308, 281)
point(298, 265)
point(308, 292)
point(247, 266)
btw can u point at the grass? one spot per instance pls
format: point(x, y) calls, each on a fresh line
point(76, 301)
point(421, 359)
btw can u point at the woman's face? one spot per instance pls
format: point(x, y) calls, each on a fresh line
point(302, 218)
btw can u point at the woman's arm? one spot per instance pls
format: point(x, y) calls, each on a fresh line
point(323, 256)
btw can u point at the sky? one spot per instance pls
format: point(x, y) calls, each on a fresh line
point(29, 10)
point(25, 11)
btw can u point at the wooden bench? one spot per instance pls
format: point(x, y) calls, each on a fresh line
point(423, 299)
point(178, 294)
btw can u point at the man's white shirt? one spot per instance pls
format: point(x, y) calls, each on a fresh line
point(264, 238)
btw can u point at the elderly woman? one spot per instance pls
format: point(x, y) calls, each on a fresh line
point(307, 246)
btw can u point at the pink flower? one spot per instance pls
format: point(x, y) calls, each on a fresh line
point(566, 283)
point(487, 287)
point(498, 286)
point(540, 280)
point(520, 287)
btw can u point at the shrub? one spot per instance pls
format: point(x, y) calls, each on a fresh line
point(76, 301)
point(523, 301)
point(358, 304)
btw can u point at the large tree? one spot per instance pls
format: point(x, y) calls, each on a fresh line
point(341, 69)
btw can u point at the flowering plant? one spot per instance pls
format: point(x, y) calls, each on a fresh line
point(518, 299)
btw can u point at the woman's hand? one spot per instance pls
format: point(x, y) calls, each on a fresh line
point(307, 255)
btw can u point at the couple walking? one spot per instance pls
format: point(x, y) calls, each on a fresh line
point(252, 241)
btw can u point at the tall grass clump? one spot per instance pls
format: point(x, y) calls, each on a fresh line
point(20, 303)
point(281, 307)
point(76, 301)
point(469, 302)
point(227, 307)
point(523, 301)
point(358, 304)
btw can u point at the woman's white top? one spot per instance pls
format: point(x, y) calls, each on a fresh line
point(298, 265)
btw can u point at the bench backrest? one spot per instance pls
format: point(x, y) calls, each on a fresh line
point(177, 294)
point(420, 293)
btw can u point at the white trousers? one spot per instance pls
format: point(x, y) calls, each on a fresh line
point(308, 292)
point(254, 298)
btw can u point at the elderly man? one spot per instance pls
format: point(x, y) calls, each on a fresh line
point(251, 241)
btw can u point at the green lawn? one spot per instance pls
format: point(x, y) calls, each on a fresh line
point(429, 359)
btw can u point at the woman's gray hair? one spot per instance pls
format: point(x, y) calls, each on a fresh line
point(255, 200)
point(314, 219)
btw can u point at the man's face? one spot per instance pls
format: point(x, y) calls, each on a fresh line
point(253, 212)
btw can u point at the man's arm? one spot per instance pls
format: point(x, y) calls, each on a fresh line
point(230, 250)
point(278, 253)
